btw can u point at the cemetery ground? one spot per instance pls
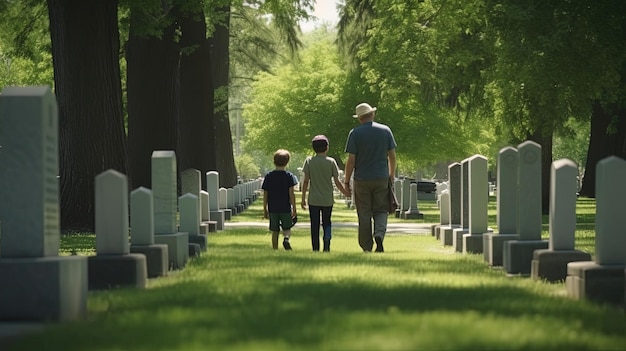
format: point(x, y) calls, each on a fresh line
point(241, 294)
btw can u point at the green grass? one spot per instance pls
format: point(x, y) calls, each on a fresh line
point(242, 295)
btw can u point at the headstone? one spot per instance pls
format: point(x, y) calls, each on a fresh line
point(113, 265)
point(478, 204)
point(405, 196)
point(164, 184)
point(191, 183)
point(142, 233)
point(213, 185)
point(517, 254)
point(603, 280)
point(506, 207)
point(397, 188)
point(38, 284)
point(444, 213)
point(413, 212)
point(454, 188)
point(224, 204)
point(457, 234)
point(551, 264)
point(190, 220)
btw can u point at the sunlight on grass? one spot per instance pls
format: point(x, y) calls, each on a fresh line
point(243, 295)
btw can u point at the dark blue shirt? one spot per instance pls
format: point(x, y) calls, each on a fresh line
point(277, 184)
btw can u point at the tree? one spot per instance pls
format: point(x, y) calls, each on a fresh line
point(153, 74)
point(85, 48)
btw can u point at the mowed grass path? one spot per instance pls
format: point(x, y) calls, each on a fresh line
point(242, 295)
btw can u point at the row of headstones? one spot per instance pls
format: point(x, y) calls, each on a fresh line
point(407, 195)
point(166, 230)
point(37, 283)
point(518, 246)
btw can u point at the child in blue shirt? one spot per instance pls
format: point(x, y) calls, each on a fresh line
point(279, 200)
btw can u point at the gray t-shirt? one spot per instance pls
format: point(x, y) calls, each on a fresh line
point(370, 142)
point(321, 170)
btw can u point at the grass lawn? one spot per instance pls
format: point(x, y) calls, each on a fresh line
point(242, 295)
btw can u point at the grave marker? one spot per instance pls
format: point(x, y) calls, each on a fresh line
point(43, 285)
point(551, 264)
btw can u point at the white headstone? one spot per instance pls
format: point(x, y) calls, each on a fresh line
point(478, 194)
point(444, 200)
point(406, 195)
point(204, 206)
point(164, 191)
point(563, 188)
point(29, 188)
point(529, 193)
point(213, 185)
point(506, 190)
point(111, 213)
point(189, 220)
point(465, 193)
point(454, 188)
point(191, 183)
point(610, 213)
point(223, 198)
point(141, 217)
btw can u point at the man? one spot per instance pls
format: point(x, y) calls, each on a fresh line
point(371, 150)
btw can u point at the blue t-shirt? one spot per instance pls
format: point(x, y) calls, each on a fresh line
point(370, 142)
point(277, 184)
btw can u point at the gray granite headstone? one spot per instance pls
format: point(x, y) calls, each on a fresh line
point(518, 254)
point(507, 190)
point(603, 280)
point(406, 195)
point(164, 191)
point(191, 183)
point(506, 206)
point(204, 206)
point(29, 188)
point(444, 204)
point(112, 213)
point(465, 193)
point(454, 186)
point(610, 213)
point(529, 195)
point(551, 264)
point(563, 188)
point(189, 220)
point(37, 283)
point(165, 200)
point(141, 217)
point(114, 265)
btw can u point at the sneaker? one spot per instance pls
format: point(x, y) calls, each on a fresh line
point(286, 244)
point(379, 244)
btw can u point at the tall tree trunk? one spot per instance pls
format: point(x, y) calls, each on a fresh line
point(153, 95)
point(196, 132)
point(220, 58)
point(85, 55)
point(608, 137)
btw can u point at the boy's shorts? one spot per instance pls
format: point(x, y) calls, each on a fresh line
point(278, 220)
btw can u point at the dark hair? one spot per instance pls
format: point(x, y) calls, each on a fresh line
point(281, 157)
point(319, 145)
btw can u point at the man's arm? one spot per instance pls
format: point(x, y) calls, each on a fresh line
point(349, 168)
point(391, 157)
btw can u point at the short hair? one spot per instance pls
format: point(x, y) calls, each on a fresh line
point(281, 157)
point(320, 145)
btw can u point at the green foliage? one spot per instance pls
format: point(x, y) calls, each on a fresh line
point(247, 168)
point(302, 99)
point(25, 49)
